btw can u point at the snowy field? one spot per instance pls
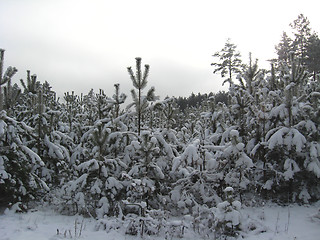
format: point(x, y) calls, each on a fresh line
point(277, 223)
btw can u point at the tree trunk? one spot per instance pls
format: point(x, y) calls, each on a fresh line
point(139, 112)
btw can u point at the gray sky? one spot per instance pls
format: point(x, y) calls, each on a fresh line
point(83, 44)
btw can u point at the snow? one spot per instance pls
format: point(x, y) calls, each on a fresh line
point(3, 126)
point(82, 179)
point(288, 137)
point(34, 157)
point(314, 166)
point(315, 94)
point(304, 195)
point(276, 138)
point(279, 111)
point(166, 146)
point(289, 86)
point(190, 154)
point(314, 150)
point(298, 140)
point(287, 223)
point(268, 184)
point(3, 173)
point(113, 183)
point(234, 133)
point(158, 171)
point(272, 222)
point(96, 188)
point(291, 168)
point(54, 151)
point(240, 146)
point(228, 189)
point(244, 160)
point(104, 207)
point(92, 164)
point(176, 163)
point(175, 195)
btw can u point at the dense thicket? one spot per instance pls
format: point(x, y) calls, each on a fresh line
point(199, 156)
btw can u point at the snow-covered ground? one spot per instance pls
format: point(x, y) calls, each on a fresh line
point(285, 223)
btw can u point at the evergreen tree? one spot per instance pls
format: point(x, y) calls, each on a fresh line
point(32, 84)
point(20, 167)
point(139, 81)
point(12, 96)
point(284, 48)
point(228, 216)
point(286, 140)
point(302, 32)
point(6, 77)
point(313, 55)
point(251, 75)
point(118, 99)
point(229, 61)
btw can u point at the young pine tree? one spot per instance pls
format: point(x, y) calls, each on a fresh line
point(139, 81)
point(6, 77)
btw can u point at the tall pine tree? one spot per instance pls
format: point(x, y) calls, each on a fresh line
point(229, 61)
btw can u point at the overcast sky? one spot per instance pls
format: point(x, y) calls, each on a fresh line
point(83, 44)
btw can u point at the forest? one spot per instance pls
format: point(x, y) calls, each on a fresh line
point(201, 157)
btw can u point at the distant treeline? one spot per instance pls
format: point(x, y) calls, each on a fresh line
point(196, 100)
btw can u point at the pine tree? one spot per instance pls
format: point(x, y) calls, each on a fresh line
point(302, 32)
point(139, 81)
point(6, 77)
point(313, 55)
point(284, 48)
point(32, 84)
point(29, 98)
point(228, 217)
point(20, 167)
point(12, 96)
point(118, 99)
point(250, 74)
point(72, 104)
point(229, 61)
point(286, 139)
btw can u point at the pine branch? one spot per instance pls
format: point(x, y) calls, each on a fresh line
point(138, 69)
point(132, 77)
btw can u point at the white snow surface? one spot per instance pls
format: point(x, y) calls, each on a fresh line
point(280, 223)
